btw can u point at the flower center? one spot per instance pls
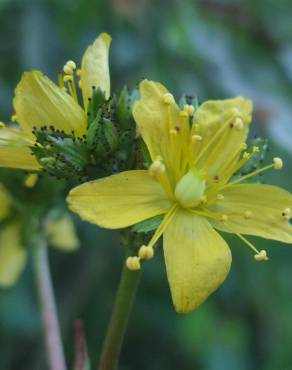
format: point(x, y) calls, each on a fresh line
point(189, 190)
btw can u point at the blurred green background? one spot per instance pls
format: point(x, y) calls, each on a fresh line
point(215, 49)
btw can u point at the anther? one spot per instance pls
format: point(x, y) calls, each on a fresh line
point(2, 124)
point(183, 113)
point(146, 252)
point(278, 163)
point(14, 118)
point(238, 124)
point(67, 78)
point(80, 84)
point(243, 146)
point(78, 72)
point(31, 180)
point(224, 218)
point(133, 263)
point(196, 138)
point(157, 168)
point(168, 99)
point(255, 149)
point(71, 64)
point(261, 256)
point(247, 214)
point(220, 196)
point(67, 70)
point(246, 155)
point(189, 109)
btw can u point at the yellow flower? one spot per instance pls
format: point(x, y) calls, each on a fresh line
point(39, 102)
point(60, 234)
point(194, 155)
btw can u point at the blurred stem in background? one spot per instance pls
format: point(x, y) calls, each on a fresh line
point(120, 315)
point(54, 346)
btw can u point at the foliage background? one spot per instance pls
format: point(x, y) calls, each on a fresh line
point(211, 48)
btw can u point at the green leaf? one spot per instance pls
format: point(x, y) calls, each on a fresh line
point(148, 225)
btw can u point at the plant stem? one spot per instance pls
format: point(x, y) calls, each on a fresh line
point(118, 323)
point(51, 326)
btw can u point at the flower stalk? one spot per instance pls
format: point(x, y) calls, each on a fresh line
point(54, 346)
point(118, 323)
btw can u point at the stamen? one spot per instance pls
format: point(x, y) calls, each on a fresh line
point(260, 255)
point(157, 168)
point(2, 124)
point(133, 263)
point(189, 109)
point(238, 124)
point(216, 136)
point(165, 222)
point(78, 72)
point(196, 138)
point(31, 180)
point(168, 99)
point(146, 252)
point(68, 78)
point(224, 218)
point(14, 118)
point(220, 197)
point(252, 174)
point(278, 163)
point(71, 64)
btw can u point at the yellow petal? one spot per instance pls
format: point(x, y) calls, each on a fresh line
point(155, 120)
point(95, 68)
point(220, 149)
point(15, 150)
point(39, 102)
point(61, 234)
point(12, 255)
point(197, 260)
point(120, 200)
point(266, 204)
point(5, 202)
point(18, 157)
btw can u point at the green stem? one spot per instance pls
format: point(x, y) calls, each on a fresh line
point(118, 323)
point(51, 326)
